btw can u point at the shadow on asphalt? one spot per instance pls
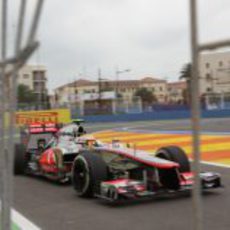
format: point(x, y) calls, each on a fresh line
point(45, 180)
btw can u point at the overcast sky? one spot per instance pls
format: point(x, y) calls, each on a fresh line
point(149, 37)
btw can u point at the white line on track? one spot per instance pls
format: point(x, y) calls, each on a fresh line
point(20, 221)
point(215, 164)
point(23, 222)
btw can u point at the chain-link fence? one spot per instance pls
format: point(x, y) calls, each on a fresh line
point(123, 105)
point(102, 106)
point(33, 106)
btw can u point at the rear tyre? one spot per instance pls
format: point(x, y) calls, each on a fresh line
point(88, 171)
point(176, 154)
point(19, 159)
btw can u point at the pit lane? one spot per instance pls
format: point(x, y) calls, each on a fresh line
point(53, 206)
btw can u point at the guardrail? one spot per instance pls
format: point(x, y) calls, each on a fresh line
point(155, 115)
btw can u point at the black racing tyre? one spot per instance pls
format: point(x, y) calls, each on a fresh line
point(19, 159)
point(176, 154)
point(88, 171)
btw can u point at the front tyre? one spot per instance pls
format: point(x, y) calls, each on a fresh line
point(169, 178)
point(88, 171)
point(176, 154)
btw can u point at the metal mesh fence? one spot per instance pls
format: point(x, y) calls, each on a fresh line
point(98, 107)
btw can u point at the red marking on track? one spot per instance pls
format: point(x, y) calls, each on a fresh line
point(209, 156)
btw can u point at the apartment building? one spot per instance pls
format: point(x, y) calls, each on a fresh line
point(215, 72)
point(34, 76)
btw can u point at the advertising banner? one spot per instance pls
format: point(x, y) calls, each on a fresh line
point(43, 116)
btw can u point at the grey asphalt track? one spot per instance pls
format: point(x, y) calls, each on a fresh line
point(56, 207)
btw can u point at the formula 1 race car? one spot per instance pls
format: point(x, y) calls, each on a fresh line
point(115, 173)
point(48, 150)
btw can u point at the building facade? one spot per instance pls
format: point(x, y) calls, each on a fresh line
point(35, 77)
point(125, 89)
point(215, 72)
point(177, 92)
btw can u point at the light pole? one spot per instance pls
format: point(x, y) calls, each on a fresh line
point(100, 88)
point(118, 72)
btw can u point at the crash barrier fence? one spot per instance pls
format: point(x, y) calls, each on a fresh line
point(24, 46)
point(217, 101)
point(155, 115)
point(64, 115)
point(102, 106)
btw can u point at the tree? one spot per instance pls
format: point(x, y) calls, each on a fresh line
point(147, 97)
point(186, 74)
point(25, 95)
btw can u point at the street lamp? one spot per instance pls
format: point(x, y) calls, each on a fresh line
point(100, 80)
point(118, 72)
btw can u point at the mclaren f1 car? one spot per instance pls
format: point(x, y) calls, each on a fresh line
point(114, 172)
point(48, 150)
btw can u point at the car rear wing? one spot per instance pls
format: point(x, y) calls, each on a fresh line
point(37, 128)
point(43, 128)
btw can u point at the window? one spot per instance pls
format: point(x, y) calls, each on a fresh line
point(208, 76)
point(208, 89)
point(39, 75)
point(220, 63)
point(39, 86)
point(25, 76)
point(207, 65)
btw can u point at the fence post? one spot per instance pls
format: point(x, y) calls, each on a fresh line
point(195, 96)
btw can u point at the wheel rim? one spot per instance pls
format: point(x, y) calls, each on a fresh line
point(81, 175)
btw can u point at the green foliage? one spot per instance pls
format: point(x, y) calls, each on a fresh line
point(186, 74)
point(146, 96)
point(25, 95)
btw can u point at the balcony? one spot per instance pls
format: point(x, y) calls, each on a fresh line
point(39, 76)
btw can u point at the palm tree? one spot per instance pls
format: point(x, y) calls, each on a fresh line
point(186, 74)
point(147, 97)
point(25, 95)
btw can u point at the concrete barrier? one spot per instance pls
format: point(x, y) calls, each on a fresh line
point(155, 115)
